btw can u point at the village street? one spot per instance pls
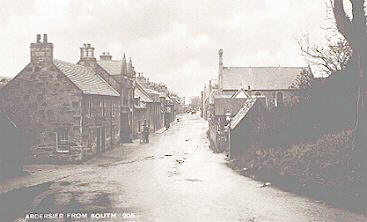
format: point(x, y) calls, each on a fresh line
point(176, 178)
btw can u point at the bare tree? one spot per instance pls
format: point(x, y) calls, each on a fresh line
point(330, 58)
point(354, 31)
point(304, 83)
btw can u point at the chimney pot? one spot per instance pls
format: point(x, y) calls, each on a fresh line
point(105, 56)
point(44, 38)
point(87, 52)
point(38, 38)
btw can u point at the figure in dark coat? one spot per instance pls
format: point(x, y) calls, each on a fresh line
point(146, 134)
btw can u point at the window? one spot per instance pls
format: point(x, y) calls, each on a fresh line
point(279, 99)
point(103, 108)
point(75, 105)
point(113, 110)
point(62, 140)
point(90, 108)
point(99, 109)
point(139, 126)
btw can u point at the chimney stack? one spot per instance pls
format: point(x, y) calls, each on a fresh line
point(105, 56)
point(44, 38)
point(87, 52)
point(38, 38)
point(41, 51)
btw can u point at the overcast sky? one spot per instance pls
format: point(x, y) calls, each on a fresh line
point(171, 41)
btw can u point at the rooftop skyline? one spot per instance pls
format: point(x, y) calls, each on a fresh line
point(175, 42)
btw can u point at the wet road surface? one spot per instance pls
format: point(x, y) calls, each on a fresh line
point(177, 178)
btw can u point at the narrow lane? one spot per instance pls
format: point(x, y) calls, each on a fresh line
point(177, 178)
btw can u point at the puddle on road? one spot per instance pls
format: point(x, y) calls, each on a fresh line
point(83, 184)
point(149, 158)
point(65, 183)
point(194, 180)
point(103, 200)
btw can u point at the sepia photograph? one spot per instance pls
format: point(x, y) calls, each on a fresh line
point(183, 111)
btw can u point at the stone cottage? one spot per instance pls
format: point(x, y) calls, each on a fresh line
point(142, 107)
point(67, 111)
point(120, 76)
point(156, 107)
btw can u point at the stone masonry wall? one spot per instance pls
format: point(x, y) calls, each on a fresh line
point(95, 117)
point(41, 99)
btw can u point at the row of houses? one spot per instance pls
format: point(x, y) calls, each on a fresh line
point(233, 103)
point(70, 112)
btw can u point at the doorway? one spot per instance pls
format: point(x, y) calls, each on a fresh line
point(101, 140)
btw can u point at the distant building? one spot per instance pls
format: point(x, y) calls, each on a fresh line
point(68, 111)
point(235, 88)
point(143, 105)
point(272, 82)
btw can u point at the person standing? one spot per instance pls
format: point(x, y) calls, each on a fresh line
point(146, 134)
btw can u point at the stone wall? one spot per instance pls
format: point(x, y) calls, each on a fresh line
point(95, 117)
point(40, 99)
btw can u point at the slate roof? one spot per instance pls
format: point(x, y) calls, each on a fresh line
point(242, 112)
point(113, 67)
point(224, 105)
point(162, 95)
point(222, 96)
point(85, 79)
point(259, 78)
point(138, 92)
point(152, 91)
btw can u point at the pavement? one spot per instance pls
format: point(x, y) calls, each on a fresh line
point(176, 177)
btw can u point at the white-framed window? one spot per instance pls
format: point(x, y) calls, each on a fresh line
point(62, 140)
